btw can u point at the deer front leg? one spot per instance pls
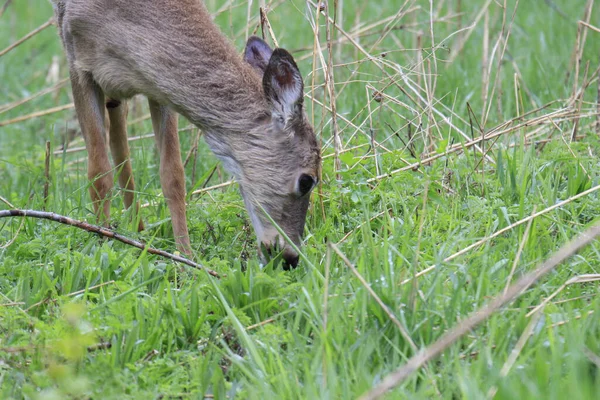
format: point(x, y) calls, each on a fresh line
point(119, 148)
point(172, 178)
point(89, 106)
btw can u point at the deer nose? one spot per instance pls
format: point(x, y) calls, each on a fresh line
point(290, 260)
point(269, 250)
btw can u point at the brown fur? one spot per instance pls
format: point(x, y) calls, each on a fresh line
point(171, 52)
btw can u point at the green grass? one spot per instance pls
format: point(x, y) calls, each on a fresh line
point(162, 331)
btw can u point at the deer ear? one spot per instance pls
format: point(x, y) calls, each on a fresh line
point(283, 86)
point(257, 53)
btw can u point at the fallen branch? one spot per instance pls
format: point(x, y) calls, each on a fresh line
point(465, 326)
point(104, 232)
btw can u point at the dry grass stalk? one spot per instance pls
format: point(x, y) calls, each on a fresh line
point(4, 7)
point(330, 82)
point(593, 357)
point(385, 308)
point(577, 279)
point(210, 188)
point(82, 148)
point(378, 300)
point(493, 133)
point(580, 44)
point(264, 21)
point(15, 236)
point(12, 304)
point(198, 191)
point(203, 342)
point(465, 33)
point(347, 235)
point(502, 39)
point(46, 175)
point(587, 25)
point(7, 107)
point(562, 137)
point(28, 36)
point(579, 100)
point(485, 59)
point(371, 131)
point(70, 149)
point(519, 251)
point(463, 327)
point(504, 230)
point(37, 114)
point(354, 38)
point(82, 291)
point(578, 317)
point(2, 199)
point(326, 308)
point(432, 68)
point(139, 119)
point(514, 354)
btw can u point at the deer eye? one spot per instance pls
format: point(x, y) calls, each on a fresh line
point(305, 184)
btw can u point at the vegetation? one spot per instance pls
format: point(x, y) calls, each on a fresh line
point(462, 152)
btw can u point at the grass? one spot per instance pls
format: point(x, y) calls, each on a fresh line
point(82, 317)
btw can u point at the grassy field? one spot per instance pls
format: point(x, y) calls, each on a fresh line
point(464, 150)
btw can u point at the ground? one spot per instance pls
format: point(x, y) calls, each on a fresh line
point(463, 151)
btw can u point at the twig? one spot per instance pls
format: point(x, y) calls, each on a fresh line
point(28, 36)
point(104, 232)
point(463, 327)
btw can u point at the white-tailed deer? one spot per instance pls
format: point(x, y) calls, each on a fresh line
point(250, 109)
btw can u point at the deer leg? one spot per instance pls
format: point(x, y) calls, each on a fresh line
point(119, 148)
point(172, 178)
point(89, 106)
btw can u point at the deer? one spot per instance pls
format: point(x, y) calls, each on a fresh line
point(249, 107)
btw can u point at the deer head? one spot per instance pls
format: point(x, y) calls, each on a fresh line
point(280, 162)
